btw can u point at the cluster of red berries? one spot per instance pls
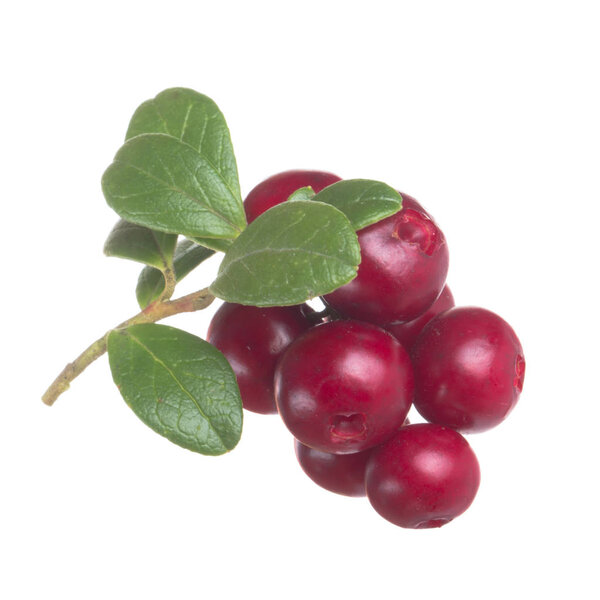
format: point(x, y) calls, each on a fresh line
point(343, 382)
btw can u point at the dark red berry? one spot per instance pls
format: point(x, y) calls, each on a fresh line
point(407, 333)
point(402, 271)
point(252, 339)
point(344, 386)
point(469, 369)
point(425, 476)
point(278, 188)
point(339, 473)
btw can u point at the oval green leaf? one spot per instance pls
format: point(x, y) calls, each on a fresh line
point(151, 282)
point(162, 183)
point(179, 385)
point(194, 119)
point(292, 252)
point(363, 201)
point(134, 242)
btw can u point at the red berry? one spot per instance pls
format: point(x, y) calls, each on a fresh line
point(339, 473)
point(252, 339)
point(278, 188)
point(344, 386)
point(425, 476)
point(402, 271)
point(469, 369)
point(407, 333)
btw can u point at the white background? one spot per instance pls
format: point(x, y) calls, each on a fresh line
point(487, 112)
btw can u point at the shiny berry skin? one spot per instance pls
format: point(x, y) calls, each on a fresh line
point(469, 369)
point(402, 271)
point(425, 476)
point(278, 188)
point(344, 386)
point(252, 339)
point(407, 333)
point(339, 473)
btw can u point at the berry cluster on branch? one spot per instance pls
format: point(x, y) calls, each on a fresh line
point(342, 380)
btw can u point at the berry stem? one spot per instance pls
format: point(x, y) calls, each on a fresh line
point(154, 312)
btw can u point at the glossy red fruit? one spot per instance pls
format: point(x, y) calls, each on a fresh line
point(252, 339)
point(407, 333)
point(469, 369)
point(278, 188)
point(340, 473)
point(425, 476)
point(344, 386)
point(402, 271)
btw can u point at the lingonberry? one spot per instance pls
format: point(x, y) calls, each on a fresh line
point(252, 339)
point(425, 476)
point(344, 386)
point(278, 188)
point(402, 271)
point(407, 333)
point(469, 369)
point(340, 473)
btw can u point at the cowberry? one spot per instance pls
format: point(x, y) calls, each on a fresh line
point(407, 333)
point(252, 339)
point(340, 473)
point(344, 386)
point(278, 188)
point(402, 271)
point(425, 476)
point(469, 369)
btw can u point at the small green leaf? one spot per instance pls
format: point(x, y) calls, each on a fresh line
point(162, 183)
point(363, 201)
point(305, 193)
point(290, 253)
point(179, 385)
point(134, 242)
point(194, 119)
point(151, 282)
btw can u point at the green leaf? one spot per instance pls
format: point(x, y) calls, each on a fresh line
point(179, 385)
point(363, 201)
point(194, 119)
point(151, 282)
point(214, 243)
point(290, 253)
point(134, 242)
point(305, 193)
point(162, 183)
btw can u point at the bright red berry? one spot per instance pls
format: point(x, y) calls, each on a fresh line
point(469, 369)
point(425, 476)
point(407, 333)
point(278, 188)
point(252, 339)
point(402, 271)
point(344, 386)
point(340, 473)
